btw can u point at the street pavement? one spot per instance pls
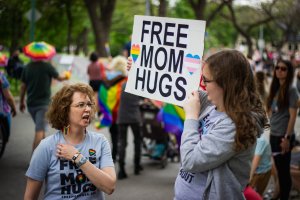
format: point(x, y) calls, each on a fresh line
point(153, 182)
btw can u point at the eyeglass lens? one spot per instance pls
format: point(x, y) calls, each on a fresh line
point(84, 105)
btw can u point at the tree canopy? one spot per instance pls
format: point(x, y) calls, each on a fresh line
point(83, 26)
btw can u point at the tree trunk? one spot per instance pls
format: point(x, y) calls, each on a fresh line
point(240, 29)
point(101, 21)
point(249, 45)
point(81, 42)
point(70, 25)
point(84, 42)
point(162, 10)
point(198, 7)
point(16, 29)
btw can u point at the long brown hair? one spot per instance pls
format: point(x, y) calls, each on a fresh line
point(283, 97)
point(231, 71)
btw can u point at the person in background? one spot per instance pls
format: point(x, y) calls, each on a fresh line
point(127, 47)
point(36, 81)
point(282, 109)
point(252, 63)
point(15, 65)
point(294, 61)
point(251, 194)
point(129, 115)
point(261, 81)
point(116, 74)
point(261, 165)
point(74, 162)
point(220, 130)
point(96, 73)
point(263, 145)
point(7, 106)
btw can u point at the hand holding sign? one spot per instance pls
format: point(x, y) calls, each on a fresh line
point(129, 63)
point(165, 55)
point(192, 106)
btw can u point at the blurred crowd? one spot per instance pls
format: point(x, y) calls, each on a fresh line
point(278, 80)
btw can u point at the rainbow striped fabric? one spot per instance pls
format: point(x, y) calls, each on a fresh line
point(172, 117)
point(109, 100)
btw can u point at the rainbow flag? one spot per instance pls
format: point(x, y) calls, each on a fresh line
point(172, 117)
point(109, 100)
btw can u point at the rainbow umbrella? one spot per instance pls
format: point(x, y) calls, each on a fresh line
point(39, 51)
point(3, 60)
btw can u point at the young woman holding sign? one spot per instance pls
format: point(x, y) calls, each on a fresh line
point(220, 131)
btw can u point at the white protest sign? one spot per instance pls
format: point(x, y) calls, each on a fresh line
point(166, 54)
point(66, 60)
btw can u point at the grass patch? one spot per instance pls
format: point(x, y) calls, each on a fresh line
point(14, 83)
point(14, 86)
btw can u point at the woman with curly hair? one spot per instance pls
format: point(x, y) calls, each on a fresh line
point(73, 162)
point(282, 109)
point(220, 131)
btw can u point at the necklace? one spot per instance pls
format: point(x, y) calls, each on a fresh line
point(69, 142)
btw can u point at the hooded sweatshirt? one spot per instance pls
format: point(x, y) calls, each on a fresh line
point(210, 167)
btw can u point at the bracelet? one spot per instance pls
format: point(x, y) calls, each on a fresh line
point(81, 161)
point(75, 157)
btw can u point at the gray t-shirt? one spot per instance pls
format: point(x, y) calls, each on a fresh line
point(280, 118)
point(63, 180)
point(190, 185)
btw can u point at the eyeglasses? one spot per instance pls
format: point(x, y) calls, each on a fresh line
point(281, 68)
point(83, 105)
point(205, 80)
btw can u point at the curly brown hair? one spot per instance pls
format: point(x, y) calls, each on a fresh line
point(58, 112)
point(232, 72)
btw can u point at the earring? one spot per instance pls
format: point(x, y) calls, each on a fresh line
point(66, 130)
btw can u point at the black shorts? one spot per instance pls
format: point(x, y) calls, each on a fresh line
point(95, 84)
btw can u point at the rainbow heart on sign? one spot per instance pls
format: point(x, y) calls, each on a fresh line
point(92, 152)
point(135, 51)
point(192, 63)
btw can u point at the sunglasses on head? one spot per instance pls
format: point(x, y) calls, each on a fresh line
point(281, 68)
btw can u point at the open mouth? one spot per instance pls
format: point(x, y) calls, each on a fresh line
point(86, 117)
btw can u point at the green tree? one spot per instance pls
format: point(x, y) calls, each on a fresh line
point(122, 23)
point(219, 33)
point(12, 23)
point(285, 25)
point(101, 13)
point(62, 22)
